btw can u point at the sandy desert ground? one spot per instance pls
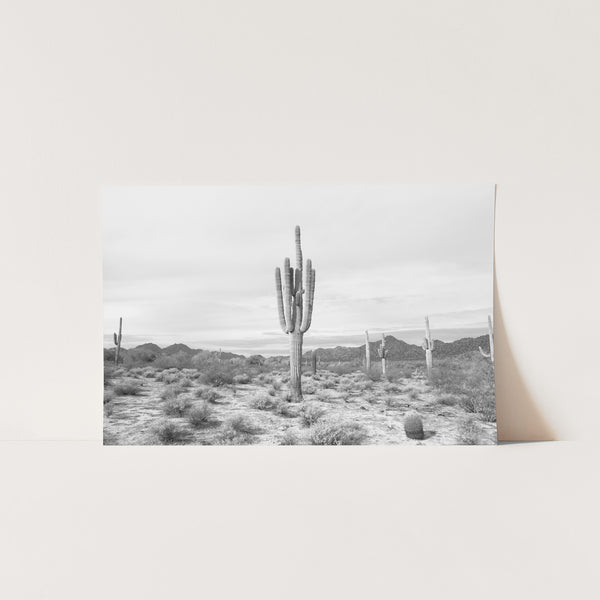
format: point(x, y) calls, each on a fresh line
point(233, 404)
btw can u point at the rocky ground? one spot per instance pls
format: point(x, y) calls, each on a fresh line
point(144, 405)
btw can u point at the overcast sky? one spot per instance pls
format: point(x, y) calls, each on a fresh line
point(196, 265)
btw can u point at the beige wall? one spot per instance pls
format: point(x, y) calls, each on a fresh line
point(190, 93)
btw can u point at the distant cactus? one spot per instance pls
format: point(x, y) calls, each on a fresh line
point(489, 354)
point(313, 360)
point(413, 426)
point(428, 345)
point(382, 352)
point(117, 339)
point(295, 297)
point(367, 352)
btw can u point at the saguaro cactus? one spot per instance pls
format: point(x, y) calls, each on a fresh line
point(295, 296)
point(313, 361)
point(367, 352)
point(428, 346)
point(382, 353)
point(117, 339)
point(489, 354)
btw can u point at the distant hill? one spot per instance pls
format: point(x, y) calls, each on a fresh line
point(400, 350)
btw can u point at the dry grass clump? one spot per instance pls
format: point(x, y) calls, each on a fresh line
point(469, 432)
point(238, 431)
point(289, 438)
point(177, 407)
point(263, 402)
point(168, 432)
point(338, 433)
point(242, 379)
point(127, 388)
point(311, 413)
point(201, 416)
point(284, 409)
point(208, 394)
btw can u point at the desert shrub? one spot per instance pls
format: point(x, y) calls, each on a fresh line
point(262, 402)
point(389, 401)
point(469, 431)
point(169, 432)
point(289, 438)
point(230, 437)
point(448, 400)
point(168, 377)
point(342, 368)
point(372, 375)
point(256, 360)
point(127, 388)
point(201, 416)
point(328, 383)
point(172, 391)
point(108, 409)
point(330, 433)
point(284, 409)
point(218, 375)
point(186, 382)
point(179, 360)
point(308, 388)
point(243, 424)
point(370, 398)
point(271, 391)
point(276, 385)
point(208, 394)
point(149, 372)
point(366, 385)
point(286, 396)
point(413, 395)
point(177, 406)
point(413, 426)
point(265, 378)
point(392, 388)
point(311, 413)
point(241, 379)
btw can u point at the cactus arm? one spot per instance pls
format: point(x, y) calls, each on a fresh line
point(308, 299)
point(279, 293)
point(287, 293)
point(298, 249)
point(116, 340)
point(483, 353)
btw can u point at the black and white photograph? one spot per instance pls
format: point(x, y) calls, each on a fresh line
point(299, 315)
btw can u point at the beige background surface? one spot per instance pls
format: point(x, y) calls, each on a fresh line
point(190, 93)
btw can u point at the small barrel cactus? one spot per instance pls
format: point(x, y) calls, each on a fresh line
point(413, 426)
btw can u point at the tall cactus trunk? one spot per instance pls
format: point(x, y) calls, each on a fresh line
point(489, 355)
point(295, 297)
point(367, 352)
point(429, 362)
point(428, 345)
point(382, 354)
point(296, 366)
point(117, 339)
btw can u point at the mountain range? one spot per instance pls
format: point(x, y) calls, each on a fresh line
point(396, 349)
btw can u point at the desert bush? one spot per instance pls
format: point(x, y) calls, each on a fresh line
point(276, 385)
point(201, 416)
point(331, 433)
point(366, 385)
point(413, 426)
point(271, 391)
point(448, 400)
point(168, 377)
point(262, 402)
point(284, 409)
point(265, 378)
point(241, 379)
point(208, 394)
point(328, 384)
point(469, 432)
point(218, 375)
point(311, 413)
point(286, 396)
point(289, 438)
point(308, 388)
point(342, 368)
point(172, 391)
point(127, 388)
point(108, 374)
point(413, 395)
point(389, 401)
point(169, 432)
point(243, 424)
point(177, 406)
point(186, 382)
point(372, 375)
